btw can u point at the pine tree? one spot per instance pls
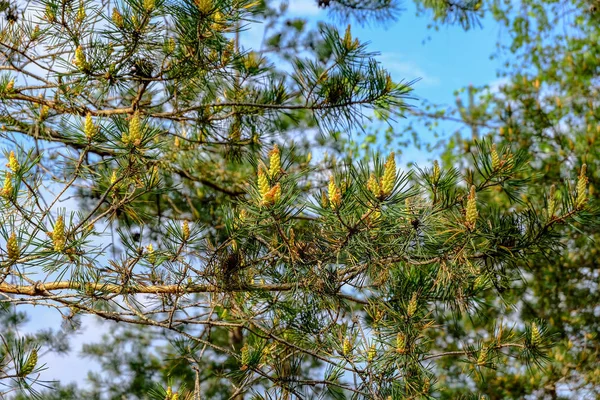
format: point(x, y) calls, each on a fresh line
point(547, 103)
point(266, 271)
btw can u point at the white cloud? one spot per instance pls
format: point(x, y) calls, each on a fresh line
point(401, 68)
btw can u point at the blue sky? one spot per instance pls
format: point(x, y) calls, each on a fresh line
point(443, 60)
point(450, 59)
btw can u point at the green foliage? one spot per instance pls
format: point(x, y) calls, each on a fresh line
point(236, 262)
point(547, 104)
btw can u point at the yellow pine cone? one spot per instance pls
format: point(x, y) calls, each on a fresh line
point(12, 247)
point(552, 202)
point(175, 396)
point(436, 172)
point(245, 356)
point(13, 164)
point(44, 112)
point(373, 185)
point(50, 13)
point(401, 343)
point(375, 216)
point(347, 347)
point(372, 353)
point(536, 337)
point(274, 162)
point(263, 183)
point(117, 18)
point(113, 177)
point(349, 44)
point(273, 195)
point(412, 305)
point(169, 47)
point(135, 130)
point(80, 13)
point(324, 200)
point(427, 383)
point(149, 5)
point(482, 358)
point(185, 229)
point(389, 83)
point(582, 183)
point(10, 86)
point(252, 61)
point(379, 315)
point(58, 236)
point(389, 175)
point(89, 129)
point(7, 189)
point(204, 6)
point(276, 193)
point(471, 212)
point(150, 253)
point(243, 215)
point(348, 38)
point(79, 60)
point(408, 205)
point(29, 364)
point(335, 194)
point(495, 158)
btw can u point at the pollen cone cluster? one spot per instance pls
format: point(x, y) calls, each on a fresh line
point(79, 60)
point(334, 194)
point(30, 363)
point(7, 189)
point(12, 247)
point(495, 158)
point(270, 195)
point(134, 136)
point(582, 183)
point(389, 175)
point(58, 236)
point(274, 162)
point(89, 129)
point(383, 187)
point(471, 211)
